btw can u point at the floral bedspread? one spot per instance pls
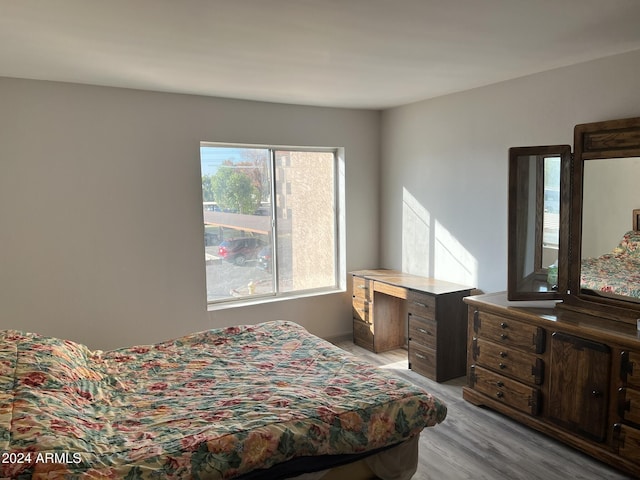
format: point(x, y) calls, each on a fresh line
point(211, 405)
point(617, 272)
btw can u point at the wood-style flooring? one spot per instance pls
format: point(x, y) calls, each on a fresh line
point(476, 443)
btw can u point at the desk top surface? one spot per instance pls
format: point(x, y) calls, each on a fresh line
point(411, 282)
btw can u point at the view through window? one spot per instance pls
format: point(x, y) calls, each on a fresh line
point(551, 213)
point(269, 220)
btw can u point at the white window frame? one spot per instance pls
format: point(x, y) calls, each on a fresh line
point(339, 226)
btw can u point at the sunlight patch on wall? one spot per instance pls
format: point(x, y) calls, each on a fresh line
point(452, 261)
point(416, 235)
point(429, 249)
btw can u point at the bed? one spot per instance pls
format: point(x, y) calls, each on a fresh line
point(616, 273)
point(255, 401)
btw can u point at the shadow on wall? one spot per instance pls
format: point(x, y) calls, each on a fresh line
point(447, 259)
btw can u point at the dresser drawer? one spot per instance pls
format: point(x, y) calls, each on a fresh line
point(421, 305)
point(626, 442)
point(630, 369)
point(502, 389)
point(629, 405)
point(506, 331)
point(422, 360)
point(361, 288)
point(423, 331)
point(508, 361)
point(361, 310)
point(363, 334)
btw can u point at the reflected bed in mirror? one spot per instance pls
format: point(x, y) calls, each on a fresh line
point(615, 274)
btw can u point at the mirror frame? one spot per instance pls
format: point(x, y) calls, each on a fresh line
point(599, 140)
point(515, 253)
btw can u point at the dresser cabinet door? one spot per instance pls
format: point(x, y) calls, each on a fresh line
point(579, 385)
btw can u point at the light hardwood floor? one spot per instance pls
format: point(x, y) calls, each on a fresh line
point(478, 443)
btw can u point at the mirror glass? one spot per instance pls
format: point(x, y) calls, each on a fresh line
point(610, 249)
point(535, 185)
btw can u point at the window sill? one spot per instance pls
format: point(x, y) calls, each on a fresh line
point(261, 300)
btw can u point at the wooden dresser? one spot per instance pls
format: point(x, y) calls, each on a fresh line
point(393, 309)
point(572, 375)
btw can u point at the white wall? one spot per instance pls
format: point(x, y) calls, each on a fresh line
point(444, 163)
point(100, 224)
point(610, 194)
point(101, 234)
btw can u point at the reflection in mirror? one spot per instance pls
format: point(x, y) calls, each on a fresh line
point(534, 221)
point(610, 263)
point(551, 215)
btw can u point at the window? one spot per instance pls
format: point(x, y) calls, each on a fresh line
point(270, 220)
point(551, 212)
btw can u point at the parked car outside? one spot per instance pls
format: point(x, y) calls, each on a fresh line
point(211, 239)
point(264, 259)
point(239, 250)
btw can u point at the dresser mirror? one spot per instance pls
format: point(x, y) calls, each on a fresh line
point(538, 181)
point(604, 269)
point(609, 263)
point(596, 246)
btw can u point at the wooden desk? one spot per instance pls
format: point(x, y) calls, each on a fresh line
point(392, 309)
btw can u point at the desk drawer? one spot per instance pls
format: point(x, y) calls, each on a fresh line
point(422, 360)
point(423, 331)
point(363, 334)
point(361, 288)
point(362, 310)
point(421, 305)
point(389, 289)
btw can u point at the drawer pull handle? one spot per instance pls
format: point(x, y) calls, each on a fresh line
point(503, 354)
point(423, 305)
point(504, 325)
point(500, 384)
point(502, 366)
point(362, 287)
point(504, 336)
point(420, 356)
point(499, 394)
point(596, 393)
point(422, 330)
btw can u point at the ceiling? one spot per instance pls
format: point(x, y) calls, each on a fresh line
point(371, 54)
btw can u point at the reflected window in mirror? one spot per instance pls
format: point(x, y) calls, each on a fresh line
point(551, 212)
point(536, 185)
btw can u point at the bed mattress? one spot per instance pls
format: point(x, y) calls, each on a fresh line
point(212, 405)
